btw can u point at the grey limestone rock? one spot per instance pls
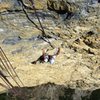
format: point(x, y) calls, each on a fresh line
point(11, 40)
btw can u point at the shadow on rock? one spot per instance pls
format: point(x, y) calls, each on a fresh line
point(95, 95)
point(49, 91)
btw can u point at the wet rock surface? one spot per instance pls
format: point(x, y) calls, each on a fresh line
point(78, 64)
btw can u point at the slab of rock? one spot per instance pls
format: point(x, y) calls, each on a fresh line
point(11, 40)
point(61, 6)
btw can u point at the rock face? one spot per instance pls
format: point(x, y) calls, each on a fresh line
point(78, 64)
point(11, 40)
point(4, 6)
point(51, 91)
point(16, 4)
point(61, 6)
point(9, 5)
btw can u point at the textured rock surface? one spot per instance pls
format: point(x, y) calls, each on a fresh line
point(51, 91)
point(77, 65)
point(16, 4)
point(63, 6)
